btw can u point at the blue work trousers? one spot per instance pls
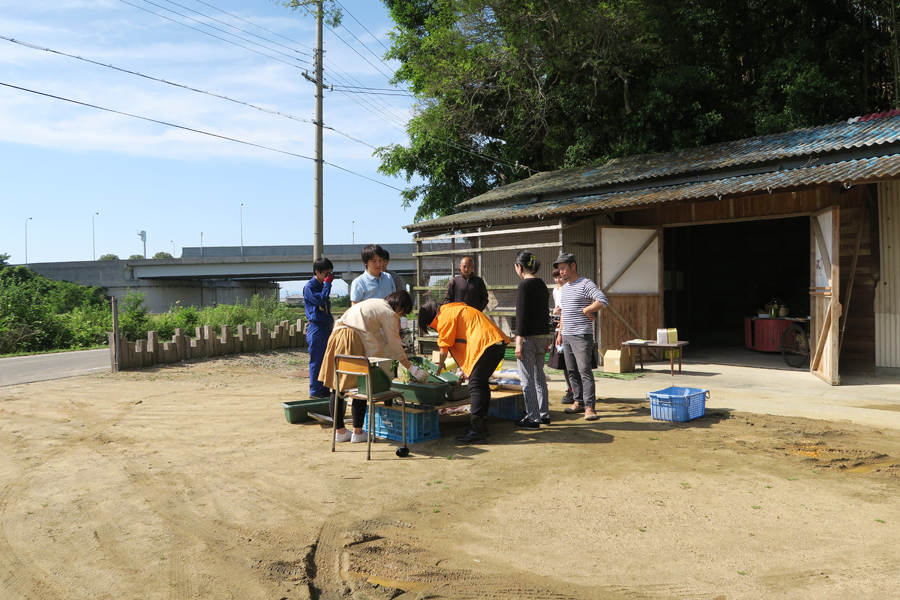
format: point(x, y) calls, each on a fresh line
point(317, 340)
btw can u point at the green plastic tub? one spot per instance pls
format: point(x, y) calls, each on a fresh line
point(381, 381)
point(420, 393)
point(298, 410)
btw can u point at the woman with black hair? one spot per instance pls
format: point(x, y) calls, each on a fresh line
point(477, 346)
point(532, 340)
point(369, 328)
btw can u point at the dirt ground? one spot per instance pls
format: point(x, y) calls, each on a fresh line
point(187, 482)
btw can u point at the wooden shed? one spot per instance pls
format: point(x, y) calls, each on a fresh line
point(701, 239)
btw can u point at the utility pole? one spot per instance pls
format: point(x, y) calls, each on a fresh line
point(318, 245)
point(94, 235)
point(143, 235)
point(26, 240)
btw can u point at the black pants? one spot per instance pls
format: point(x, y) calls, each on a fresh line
point(479, 385)
point(357, 409)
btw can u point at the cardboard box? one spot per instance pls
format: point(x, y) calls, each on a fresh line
point(618, 361)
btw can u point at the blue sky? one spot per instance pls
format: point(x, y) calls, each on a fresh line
point(60, 163)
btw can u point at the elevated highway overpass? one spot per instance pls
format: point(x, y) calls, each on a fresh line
point(218, 274)
point(279, 263)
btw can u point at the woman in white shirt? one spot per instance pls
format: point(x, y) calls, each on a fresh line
point(369, 328)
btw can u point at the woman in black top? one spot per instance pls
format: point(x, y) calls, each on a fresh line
point(532, 340)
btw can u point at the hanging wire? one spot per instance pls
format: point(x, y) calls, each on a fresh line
point(191, 129)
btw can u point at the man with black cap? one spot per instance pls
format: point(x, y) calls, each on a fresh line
point(580, 300)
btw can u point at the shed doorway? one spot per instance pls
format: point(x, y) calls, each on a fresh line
point(718, 276)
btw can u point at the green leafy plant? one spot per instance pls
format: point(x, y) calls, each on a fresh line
point(108, 257)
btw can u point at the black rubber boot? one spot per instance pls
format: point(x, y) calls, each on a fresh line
point(477, 432)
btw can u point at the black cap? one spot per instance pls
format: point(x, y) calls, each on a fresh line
point(564, 257)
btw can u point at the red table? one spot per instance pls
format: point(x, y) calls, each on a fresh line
point(764, 333)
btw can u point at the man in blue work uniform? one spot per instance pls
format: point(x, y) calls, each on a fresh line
point(319, 322)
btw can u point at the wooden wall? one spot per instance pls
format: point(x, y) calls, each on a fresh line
point(858, 320)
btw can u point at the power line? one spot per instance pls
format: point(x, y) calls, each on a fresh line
point(390, 110)
point(310, 11)
point(197, 12)
point(211, 34)
point(182, 86)
point(241, 46)
point(343, 8)
point(215, 135)
point(345, 92)
point(254, 24)
point(350, 91)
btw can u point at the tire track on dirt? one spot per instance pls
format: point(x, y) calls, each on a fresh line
point(368, 558)
point(226, 551)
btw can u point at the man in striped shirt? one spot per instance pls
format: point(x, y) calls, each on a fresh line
point(580, 300)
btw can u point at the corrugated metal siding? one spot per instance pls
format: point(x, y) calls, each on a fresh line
point(580, 240)
point(887, 293)
point(848, 171)
point(802, 142)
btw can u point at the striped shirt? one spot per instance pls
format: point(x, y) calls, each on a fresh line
point(575, 296)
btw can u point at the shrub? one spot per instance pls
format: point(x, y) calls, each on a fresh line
point(134, 319)
point(109, 257)
point(34, 311)
point(163, 255)
point(341, 302)
point(185, 317)
point(88, 325)
point(136, 257)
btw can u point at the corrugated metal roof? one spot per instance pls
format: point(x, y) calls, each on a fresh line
point(839, 172)
point(727, 155)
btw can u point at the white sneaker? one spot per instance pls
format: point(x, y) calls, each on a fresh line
point(359, 438)
point(342, 437)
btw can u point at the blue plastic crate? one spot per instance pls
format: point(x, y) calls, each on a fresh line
point(507, 407)
point(678, 404)
point(420, 426)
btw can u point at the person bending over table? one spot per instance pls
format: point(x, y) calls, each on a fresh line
point(477, 346)
point(369, 328)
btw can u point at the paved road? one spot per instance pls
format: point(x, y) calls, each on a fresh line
point(42, 367)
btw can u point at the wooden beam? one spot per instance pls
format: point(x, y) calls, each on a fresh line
point(624, 322)
point(479, 233)
point(489, 249)
point(820, 343)
point(634, 258)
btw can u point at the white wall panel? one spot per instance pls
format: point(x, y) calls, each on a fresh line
point(887, 292)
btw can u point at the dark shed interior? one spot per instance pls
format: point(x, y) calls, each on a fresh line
point(716, 275)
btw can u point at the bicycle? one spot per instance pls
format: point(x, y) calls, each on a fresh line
point(795, 343)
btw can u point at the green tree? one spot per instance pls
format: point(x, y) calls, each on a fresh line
point(3, 259)
point(108, 257)
point(162, 255)
point(37, 313)
point(136, 257)
point(509, 87)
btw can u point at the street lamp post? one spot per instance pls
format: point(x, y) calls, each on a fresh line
point(173, 248)
point(242, 230)
point(94, 235)
point(26, 240)
point(353, 232)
